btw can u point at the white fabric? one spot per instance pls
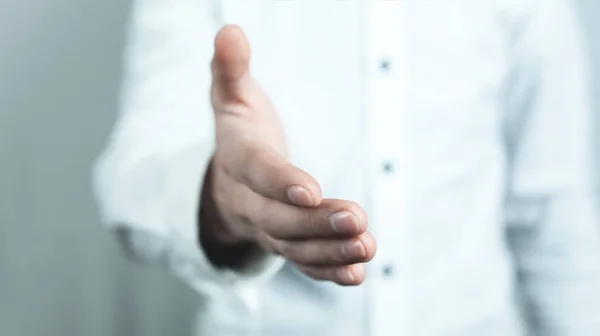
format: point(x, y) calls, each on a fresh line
point(463, 128)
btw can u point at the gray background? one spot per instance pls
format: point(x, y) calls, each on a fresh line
point(61, 274)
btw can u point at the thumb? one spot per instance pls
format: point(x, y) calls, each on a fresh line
point(231, 61)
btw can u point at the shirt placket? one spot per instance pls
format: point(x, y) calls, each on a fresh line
point(387, 123)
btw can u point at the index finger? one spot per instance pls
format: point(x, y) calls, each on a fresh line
point(271, 175)
point(332, 219)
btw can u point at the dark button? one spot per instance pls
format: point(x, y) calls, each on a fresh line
point(384, 65)
point(388, 167)
point(388, 270)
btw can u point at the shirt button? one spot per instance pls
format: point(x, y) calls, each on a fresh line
point(384, 65)
point(388, 270)
point(388, 167)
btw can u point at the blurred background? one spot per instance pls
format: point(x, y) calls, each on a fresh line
point(61, 274)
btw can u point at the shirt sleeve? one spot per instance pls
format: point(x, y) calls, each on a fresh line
point(554, 228)
point(148, 180)
point(549, 98)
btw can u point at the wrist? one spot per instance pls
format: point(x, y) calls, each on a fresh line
point(222, 247)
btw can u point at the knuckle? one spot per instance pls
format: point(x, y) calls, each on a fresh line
point(241, 206)
point(224, 164)
point(310, 221)
point(238, 210)
point(219, 162)
point(334, 259)
point(220, 189)
point(338, 257)
point(319, 253)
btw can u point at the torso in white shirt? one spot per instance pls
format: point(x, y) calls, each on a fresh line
point(395, 105)
point(462, 127)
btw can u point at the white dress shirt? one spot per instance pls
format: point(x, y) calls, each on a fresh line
point(462, 127)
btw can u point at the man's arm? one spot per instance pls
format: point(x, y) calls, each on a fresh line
point(554, 223)
point(149, 179)
point(254, 204)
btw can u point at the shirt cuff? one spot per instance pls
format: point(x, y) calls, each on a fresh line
point(154, 198)
point(184, 173)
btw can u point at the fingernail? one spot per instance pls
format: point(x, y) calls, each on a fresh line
point(344, 222)
point(298, 195)
point(344, 274)
point(353, 249)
